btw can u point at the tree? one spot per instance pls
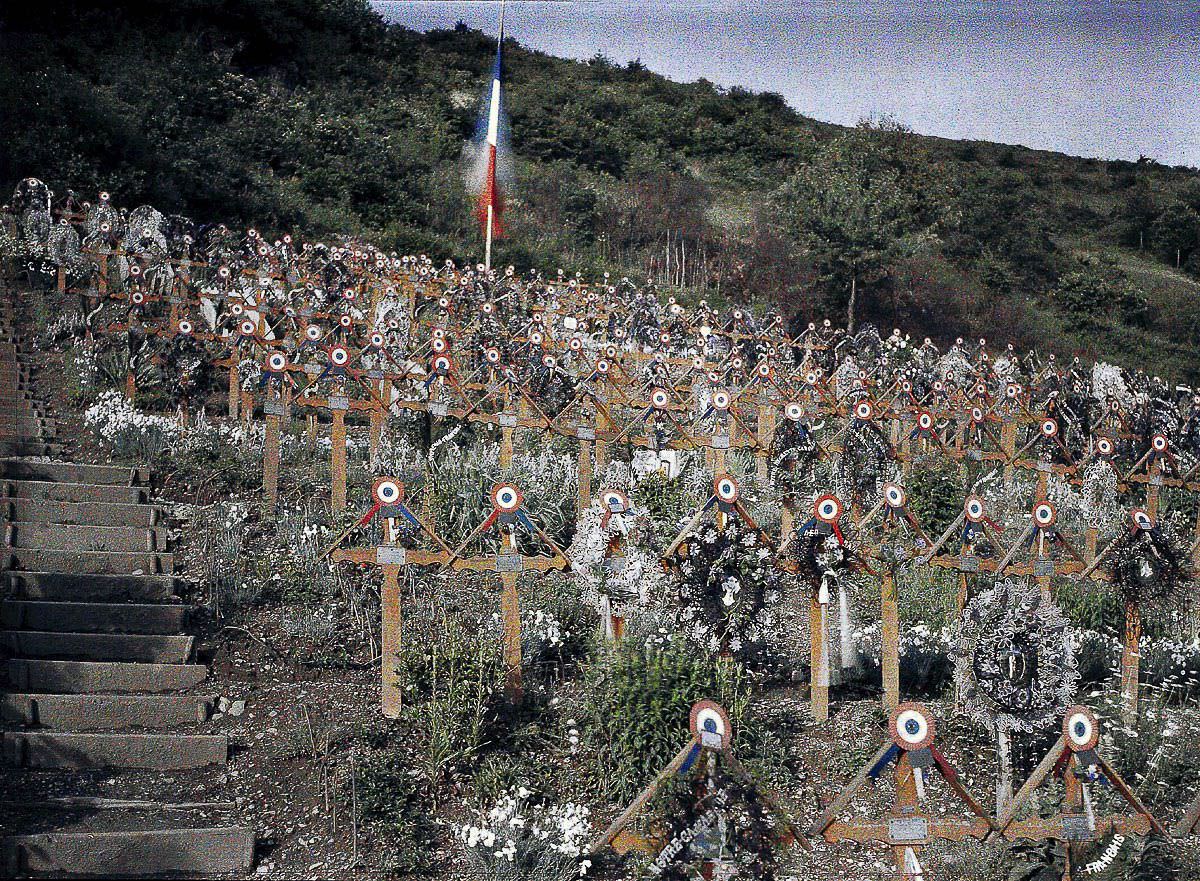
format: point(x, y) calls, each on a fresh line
point(857, 210)
point(1176, 232)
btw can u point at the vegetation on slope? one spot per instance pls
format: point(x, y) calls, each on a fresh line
point(315, 115)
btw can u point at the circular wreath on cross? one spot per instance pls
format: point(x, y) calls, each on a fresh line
point(1014, 661)
point(864, 464)
point(1145, 565)
point(728, 591)
point(728, 828)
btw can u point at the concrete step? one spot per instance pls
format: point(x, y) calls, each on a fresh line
point(76, 587)
point(204, 852)
point(91, 712)
point(80, 513)
point(63, 537)
point(69, 472)
point(93, 562)
point(29, 447)
point(93, 617)
point(159, 752)
point(80, 493)
point(85, 677)
point(124, 647)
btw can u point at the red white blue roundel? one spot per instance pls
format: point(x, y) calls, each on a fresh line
point(247, 328)
point(349, 294)
point(912, 726)
point(602, 366)
point(276, 362)
point(386, 491)
point(721, 400)
point(659, 398)
point(439, 344)
point(974, 509)
point(794, 411)
point(1049, 427)
point(709, 722)
point(925, 420)
point(726, 489)
point(506, 497)
point(863, 410)
point(615, 501)
point(575, 344)
point(312, 332)
point(1159, 443)
point(827, 509)
point(894, 495)
point(1044, 514)
point(810, 378)
point(185, 327)
point(1141, 519)
point(377, 340)
point(1081, 729)
point(345, 321)
point(492, 355)
point(338, 356)
point(536, 338)
point(549, 361)
point(442, 364)
point(1104, 447)
point(763, 369)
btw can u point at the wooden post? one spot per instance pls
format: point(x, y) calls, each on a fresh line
point(378, 415)
point(889, 657)
point(1130, 661)
point(907, 804)
point(271, 456)
point(235, 386)
point(585, 476)
point(818, 657)
point(389, 642)
point(510, 612)
point(337, 462)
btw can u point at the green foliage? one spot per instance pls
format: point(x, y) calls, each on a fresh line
point(1098, 288)
point(637, 705)
point(1157, 861)
point(392, 800)
point(935, 493)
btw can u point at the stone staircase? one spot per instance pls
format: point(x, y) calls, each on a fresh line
point(104, 707)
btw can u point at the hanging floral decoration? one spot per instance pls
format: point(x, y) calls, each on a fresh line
point(615, 583)
point(1014, 661)
point(728, 591)
point(1144, 563)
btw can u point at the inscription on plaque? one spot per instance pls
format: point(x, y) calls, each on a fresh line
point(509, 562)
point(375, 374)
point(968, 563)
point(720, 442)
point(273, 407)
point(1077, 828)
point(507, 420)
point(908, 830)
point(615, 564)
point(1043, 566)
point(387, 555)
point(1044, 467)
point(438, 409)
point(585, 432)
point(339, 402)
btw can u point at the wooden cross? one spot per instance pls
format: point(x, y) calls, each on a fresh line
point(909, 828)
point(1074, 761)
point(507, 513)
point(402, 530)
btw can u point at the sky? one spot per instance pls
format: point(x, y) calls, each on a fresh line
point(1104, 78)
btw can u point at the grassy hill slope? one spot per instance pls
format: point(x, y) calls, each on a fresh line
point(314, 115)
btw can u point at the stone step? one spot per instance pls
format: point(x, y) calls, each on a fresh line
point(93, 562)
point(80, 493)
point(90, 712)
point(80, 513)
point(75, 587)
point(204, 852)
point(72, 537)
point(84, 677)
point(69, 472)
point(123, 647)
point(93, 617)
point(158, 752)
point(29, 447)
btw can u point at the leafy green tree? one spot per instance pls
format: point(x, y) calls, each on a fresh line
point(856, 211)
point(1176, 232)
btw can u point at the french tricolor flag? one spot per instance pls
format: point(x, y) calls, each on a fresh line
point(491, 200)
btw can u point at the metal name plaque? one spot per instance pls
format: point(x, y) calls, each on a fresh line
point(387, 555)
point(711, 739)
point(507, 420)
point(306, 312)
point(439, 409)
point(1075, 827)
point(273, 407)
point(1156, 480)
point(614, 564)
point(585, 432)
point(968, 564)
point(509, 562)
point(1045, 467)
point(720, 442)
point(1043, 566)
point(313, 369)
point(975, 455)
point(908, 830)
point(339, 402)
point(375, 374)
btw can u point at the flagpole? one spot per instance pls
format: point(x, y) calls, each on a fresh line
point(491, 210)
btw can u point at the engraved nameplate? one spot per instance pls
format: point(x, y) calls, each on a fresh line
point(375, 374)
point(1156, 480)
point(711, 739)
point(313, 369)
point(339, 402)
point(273, 407)
point(509, 562)
point(908, 830)
point(585, 432)
point(968, 564)
point(387, 555)
point(720, 442)
point(614, 564)
point(507, 420)
point(1075, 827)
point(975, 455)
point(1045, 467)
point(1043, 566)
point(438, 409)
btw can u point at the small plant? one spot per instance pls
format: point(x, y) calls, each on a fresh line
point(523, 838)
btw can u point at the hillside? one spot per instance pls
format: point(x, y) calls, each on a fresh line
point(315, 116)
